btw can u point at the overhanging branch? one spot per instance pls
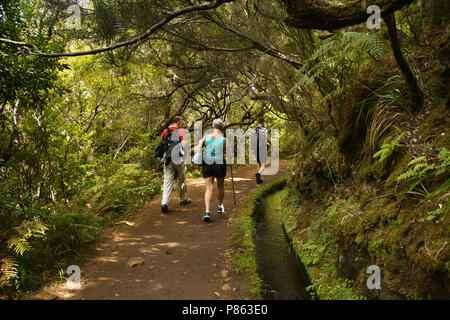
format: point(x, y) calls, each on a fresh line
point(309, 14)
point(33, 49)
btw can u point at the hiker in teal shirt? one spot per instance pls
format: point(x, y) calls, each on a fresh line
point(214, 166)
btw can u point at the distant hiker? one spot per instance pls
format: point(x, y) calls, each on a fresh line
point(214, 166)
point(260, 139)
point(174, 141)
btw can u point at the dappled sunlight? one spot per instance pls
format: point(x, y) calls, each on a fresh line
point(236, 179)
point(170, 244)
point(154, 236)
point(149, 250)
point(107, 259)
point(197, 182)
point(104, 279)
point(158, 287)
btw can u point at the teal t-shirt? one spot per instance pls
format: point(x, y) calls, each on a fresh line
point(214, 150)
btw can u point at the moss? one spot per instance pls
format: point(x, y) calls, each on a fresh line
point(435, 124)
point(371, 218)
point(399, 168)
point(371, 170)
point(315, 247)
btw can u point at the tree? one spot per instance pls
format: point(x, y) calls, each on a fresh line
point(312, 14)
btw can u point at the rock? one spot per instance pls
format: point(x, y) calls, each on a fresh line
point(226, 287)
point(216, 293)
point(135, 262)
point(224, 273)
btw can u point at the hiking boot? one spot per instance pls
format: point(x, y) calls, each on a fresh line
point(165, 208)
point(221, 209)
point(207, 216)
point(258, 178)
point(185, 202)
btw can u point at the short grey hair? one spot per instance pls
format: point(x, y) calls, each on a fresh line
point(218, 124)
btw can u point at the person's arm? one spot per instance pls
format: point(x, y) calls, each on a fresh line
point(184, 141)
point(200, 144)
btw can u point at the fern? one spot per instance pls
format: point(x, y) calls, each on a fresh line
point(27, 230)
point(421, 171)
point(348, 46)
point(438, 214)
point(367, 42)
point(421, 167)
point(388, 148)
point(444, 156)
point(8, 271)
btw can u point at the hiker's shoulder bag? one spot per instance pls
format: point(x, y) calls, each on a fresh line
point(197, 159)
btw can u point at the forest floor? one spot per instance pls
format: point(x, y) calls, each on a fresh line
point(167, 256)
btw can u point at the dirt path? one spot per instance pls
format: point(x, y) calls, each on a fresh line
point(179, 256)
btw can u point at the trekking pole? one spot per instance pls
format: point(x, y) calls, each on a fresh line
point(232, 183)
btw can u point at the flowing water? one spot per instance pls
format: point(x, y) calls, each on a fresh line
point(283, 274)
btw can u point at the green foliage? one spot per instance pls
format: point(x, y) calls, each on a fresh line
point(343, 49)
point(377, 243)
point(317, 249)
point(422, 170)
point(421, 167)
point(388, 148)
point(438, 214)
point(25, 232)
point(18, 245)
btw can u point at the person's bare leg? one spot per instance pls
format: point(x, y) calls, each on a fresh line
point(262, 166)
point(208, 192)
point(221, 189)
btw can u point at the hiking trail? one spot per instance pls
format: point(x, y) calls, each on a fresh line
point(167, 256)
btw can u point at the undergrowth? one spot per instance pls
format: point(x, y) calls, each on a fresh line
point(317, 249)
point(35, 236)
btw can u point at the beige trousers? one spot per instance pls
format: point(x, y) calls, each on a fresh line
point(171, 172)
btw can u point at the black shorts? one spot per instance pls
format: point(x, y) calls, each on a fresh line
point(214, 170)
point(261, 155)
point(261, 158)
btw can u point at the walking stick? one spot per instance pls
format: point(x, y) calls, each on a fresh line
point(232, 183)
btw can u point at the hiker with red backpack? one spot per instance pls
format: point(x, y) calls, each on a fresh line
point(171, 151)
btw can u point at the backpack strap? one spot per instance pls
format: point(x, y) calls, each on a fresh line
point(170, 132)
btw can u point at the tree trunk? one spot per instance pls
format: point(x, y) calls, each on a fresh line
point(416, 94)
